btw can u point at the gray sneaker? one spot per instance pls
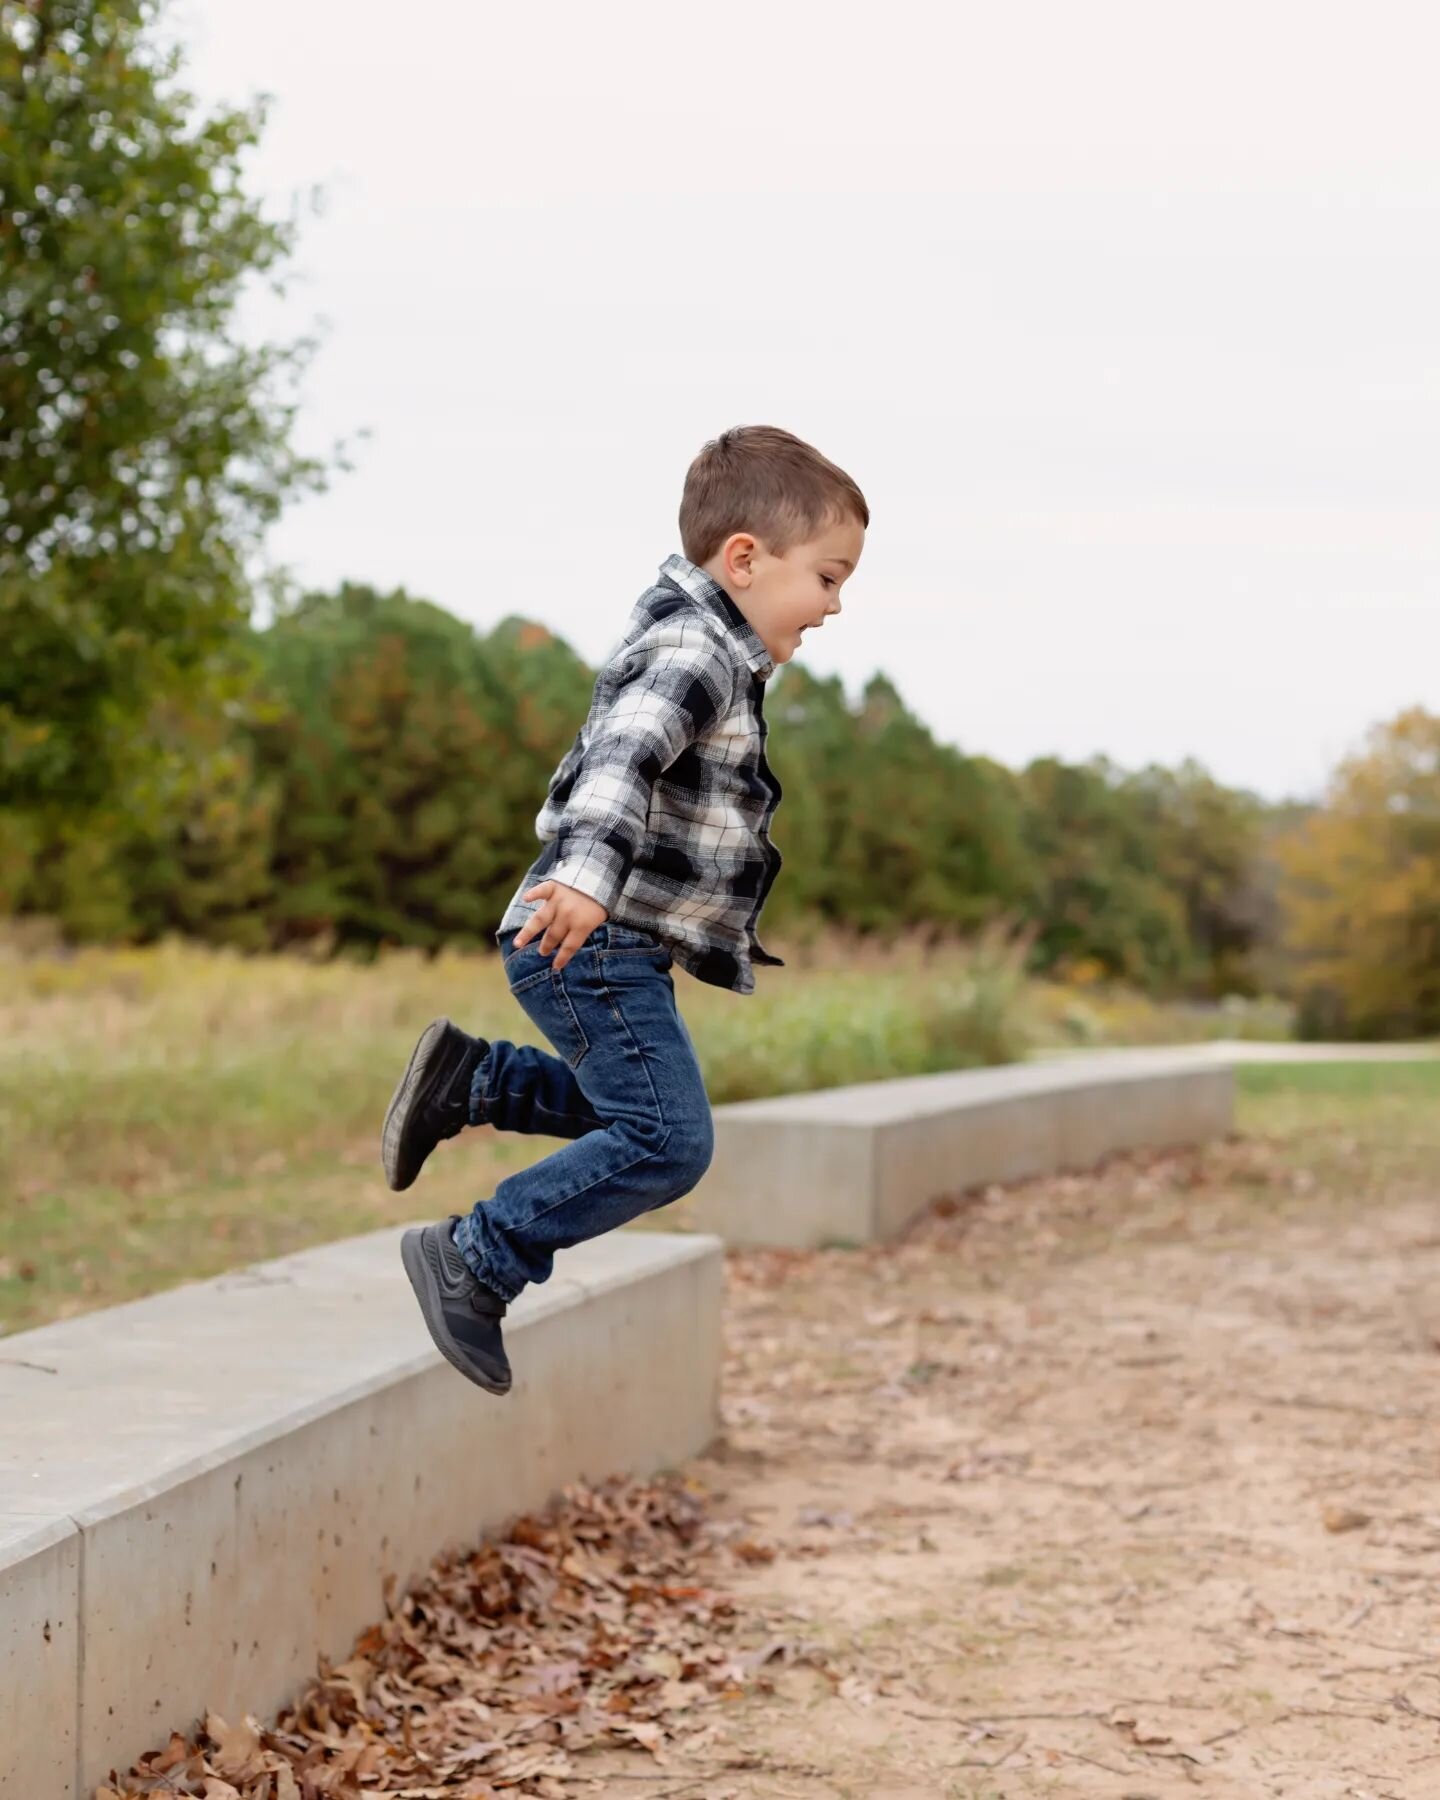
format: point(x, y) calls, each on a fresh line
point(463, 1316)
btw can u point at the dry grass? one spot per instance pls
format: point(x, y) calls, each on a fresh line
point(170, 1112)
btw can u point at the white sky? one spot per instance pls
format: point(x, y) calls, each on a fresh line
point(1125, 316)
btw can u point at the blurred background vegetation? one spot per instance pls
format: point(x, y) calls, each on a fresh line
point(364, 770)
point(245, 849)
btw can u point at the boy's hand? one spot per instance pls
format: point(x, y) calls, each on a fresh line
point(566, 916)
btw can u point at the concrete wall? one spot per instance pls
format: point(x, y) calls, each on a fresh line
point(201, 1491)
point(39, 1654)
point(855, 1164)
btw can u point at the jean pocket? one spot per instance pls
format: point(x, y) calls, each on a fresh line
point(542, 995)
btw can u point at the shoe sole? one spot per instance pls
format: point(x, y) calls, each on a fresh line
point(394, 1127)
point(422, 1279)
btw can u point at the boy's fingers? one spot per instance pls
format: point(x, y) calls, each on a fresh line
point(556, 933)
point(574, 941)
point(537, 920)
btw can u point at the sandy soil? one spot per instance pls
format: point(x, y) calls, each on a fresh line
point(1120, 1485)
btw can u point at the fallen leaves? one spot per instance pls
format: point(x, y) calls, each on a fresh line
point(1107, 1525)
point(596, 1622)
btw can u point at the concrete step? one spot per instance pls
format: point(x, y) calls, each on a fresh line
point(855, 1164)
point(203, 1490)
point(1266, 1050)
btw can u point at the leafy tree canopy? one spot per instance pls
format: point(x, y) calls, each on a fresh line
point(142, 451)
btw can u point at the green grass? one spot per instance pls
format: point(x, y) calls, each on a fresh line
point(1392, 1106)
point(1356, 1129)
point(1341, 1081)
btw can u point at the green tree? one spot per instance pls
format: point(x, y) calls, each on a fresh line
point(142, 451)
point(409, 757)
point(881, 827)
point(1208, 848)
point(1098, 897)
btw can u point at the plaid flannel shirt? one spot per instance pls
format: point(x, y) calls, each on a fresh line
point(661, 808)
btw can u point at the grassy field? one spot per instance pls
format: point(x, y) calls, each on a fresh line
point(169, 1113)
point(1380, 1122)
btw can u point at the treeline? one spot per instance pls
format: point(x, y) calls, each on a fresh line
point(366, 771)
point(370, 772)
point(375, 781)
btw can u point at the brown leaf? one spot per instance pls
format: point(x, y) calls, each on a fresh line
point(649, 1737)
point(751, 1552)
point(236, 1747)
point(174, 1752)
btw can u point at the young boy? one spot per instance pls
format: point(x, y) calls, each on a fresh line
point(656, 851)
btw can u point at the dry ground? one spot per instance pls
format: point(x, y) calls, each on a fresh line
point(1121, 1486)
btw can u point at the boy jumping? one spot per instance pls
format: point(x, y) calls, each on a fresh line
point(656, 851)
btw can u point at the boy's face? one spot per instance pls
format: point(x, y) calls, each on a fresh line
point(784, 596)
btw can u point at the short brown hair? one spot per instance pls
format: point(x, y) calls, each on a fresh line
point(758, 478)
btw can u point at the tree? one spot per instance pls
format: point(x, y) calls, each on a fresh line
point(880, 826)
point(1208, 848)
point(1361, 890)
point(1098, 898)
point(142, 452)
point(409, 757)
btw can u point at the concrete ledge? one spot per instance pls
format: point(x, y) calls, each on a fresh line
point(855, 1164)
point(39, 1654)
point(201, 1491)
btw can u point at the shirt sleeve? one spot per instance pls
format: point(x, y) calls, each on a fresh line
point(669, 694)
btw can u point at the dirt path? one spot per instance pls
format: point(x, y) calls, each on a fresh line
point(1115, 1486)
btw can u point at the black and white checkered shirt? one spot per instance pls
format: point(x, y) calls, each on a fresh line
point(661, 808)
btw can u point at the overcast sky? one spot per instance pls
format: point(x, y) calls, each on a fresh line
point(1126, 317)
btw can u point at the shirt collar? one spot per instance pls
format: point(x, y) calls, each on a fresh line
point(706, 592)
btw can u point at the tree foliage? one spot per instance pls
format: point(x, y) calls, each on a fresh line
point(379, 780)
point(1361, 893)
point(409, 757)
point(142, 450)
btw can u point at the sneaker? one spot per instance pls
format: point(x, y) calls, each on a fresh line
point(462, 1314)
point(432, 1101)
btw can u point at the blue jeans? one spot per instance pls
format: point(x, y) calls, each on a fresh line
point(624, 1085)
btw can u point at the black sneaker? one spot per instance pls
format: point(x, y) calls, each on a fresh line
point(432, 1100)
point(463, 1315)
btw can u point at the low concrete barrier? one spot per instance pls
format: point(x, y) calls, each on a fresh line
point(855, 1164)
point(201, 1491)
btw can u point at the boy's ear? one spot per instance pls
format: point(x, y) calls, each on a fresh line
point(738, 557)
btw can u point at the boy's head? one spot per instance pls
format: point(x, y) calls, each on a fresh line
point(777, 525)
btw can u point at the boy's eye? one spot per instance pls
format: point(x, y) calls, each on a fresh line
point(829, 580)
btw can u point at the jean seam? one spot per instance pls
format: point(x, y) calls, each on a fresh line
point(563, 1000)
point(549, 1111)
point(563, 994)
point(614, 1005)
point(609, 1175)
